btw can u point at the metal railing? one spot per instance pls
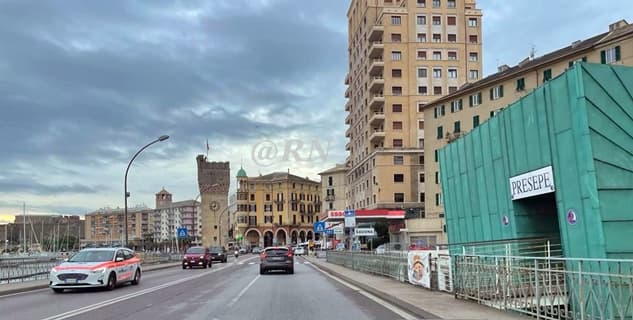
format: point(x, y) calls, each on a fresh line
point(21, 269)
point(392, 265)
point(548, 288)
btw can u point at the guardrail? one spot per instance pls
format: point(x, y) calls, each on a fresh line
point(393, 265)
point(37, 268)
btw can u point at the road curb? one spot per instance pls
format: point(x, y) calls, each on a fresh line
point(45, 285)
point(406, 306)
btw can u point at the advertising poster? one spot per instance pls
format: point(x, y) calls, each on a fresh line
point(419, 267)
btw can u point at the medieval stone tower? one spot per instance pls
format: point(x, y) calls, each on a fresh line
point(213, 184)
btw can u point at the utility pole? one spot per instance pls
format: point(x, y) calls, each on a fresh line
point(24, 226)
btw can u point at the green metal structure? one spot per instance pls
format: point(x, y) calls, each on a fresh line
point(580, 124)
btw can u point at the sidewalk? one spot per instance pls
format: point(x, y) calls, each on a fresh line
point(18, 287)
point(418, 301)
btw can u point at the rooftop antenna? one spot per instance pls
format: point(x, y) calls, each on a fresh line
point(532, 52)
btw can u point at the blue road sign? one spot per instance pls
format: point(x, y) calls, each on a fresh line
point(350, 218)
point(328, 231)
point(182, 233)
point(319, 227)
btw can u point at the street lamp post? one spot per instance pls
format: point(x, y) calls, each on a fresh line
point(127, 194)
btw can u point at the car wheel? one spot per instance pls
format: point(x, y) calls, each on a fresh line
point(184, 267)
point(262, 271)
point(225, 260)
point(58, 290)
point(137, 277)
point(291, 270)
point(111, 282)
point(204, 266)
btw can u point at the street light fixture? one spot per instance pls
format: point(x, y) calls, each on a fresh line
point(127, 194)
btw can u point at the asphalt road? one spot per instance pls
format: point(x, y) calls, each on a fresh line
point(233, 290)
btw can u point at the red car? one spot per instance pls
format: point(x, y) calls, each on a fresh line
point(197, 257)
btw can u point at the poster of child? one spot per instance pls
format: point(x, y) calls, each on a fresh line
point(419, 268)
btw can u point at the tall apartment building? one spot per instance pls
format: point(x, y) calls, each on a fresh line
point(169, 216)
point(452, 116)
point(276, 209)
point(402, 55)
point(333, 188)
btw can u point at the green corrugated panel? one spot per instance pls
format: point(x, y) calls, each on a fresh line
point(580, 123)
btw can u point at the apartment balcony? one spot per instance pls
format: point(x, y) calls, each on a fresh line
point(377, 101)
point(348, 132)
point(348, 91)
point(329, 197)
point(348, 146)
point(377, 118)
point(376, 32)
point(348, 119)
point(377, 135)
point(348, 105)
point(376, 49)
point(377, 84)
point(377, 66)
point(347, 78)
point(242, 225)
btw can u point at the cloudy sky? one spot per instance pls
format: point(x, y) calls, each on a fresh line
point(84, 85)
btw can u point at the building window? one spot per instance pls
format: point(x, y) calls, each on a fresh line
point(398, 177)
point(436, 3)
point(421, 20)
point(437, 37)
point(396, 20)
point(456, 106)
point(398, 197)
point(437, 90)
point(396, 73)
point(437, 177)
point(437, 21)
point(397, 125)
point(421, 125)
point(421, 177)
point(472, 39)
point(458, 127)
point(396, 55)
point(396, 91)
point(437, 199)
point(422, 197)
point(422, 73)
point(496, 93)
point(475, 99)
point(421, 37)
point(442, 111)
point(329, 181)
point(452, 89)
point(451, 21)
point(421, 143)
point(397, 143)
point(475, 121)
point(473, 56)
point(472, 22)
point(252, 197)
point(436, 155)
point(547, 75)
point(452, 37)
point(396, 108)
point(521, 84)
point(452, 73)
point(421, 4)
point(437, 73)
point(437, 55)
point(452, 55)
point(421, 55)
point(421, 106)
point(440, 132)
point(473, 74)
point(451, 4)
point(422, 90)
point(398, 159)
point(610, 55)
point(396, 37)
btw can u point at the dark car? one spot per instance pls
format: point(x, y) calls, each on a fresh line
point(218, 254)
point(256, 250)
point(276, 258)
point(196, 257)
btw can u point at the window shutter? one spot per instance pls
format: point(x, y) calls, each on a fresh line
point(435, 112)
point(470, 101)
point(501, 91)
point(603, 57)
point(617, 53)
point(479, 96)
point(584, 59)
point(491, 96)
point(571, 64)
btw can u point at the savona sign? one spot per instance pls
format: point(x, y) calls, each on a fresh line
point(533, 183)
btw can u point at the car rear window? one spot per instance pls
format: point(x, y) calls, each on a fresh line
point(277, 252)
point(216, 249)
point(195, 250)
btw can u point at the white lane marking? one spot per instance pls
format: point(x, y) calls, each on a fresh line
point(239, 295)
point(251, 263)
point(105, 303)
point(394, 309)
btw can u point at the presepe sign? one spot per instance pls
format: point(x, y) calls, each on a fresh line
point(533, 183)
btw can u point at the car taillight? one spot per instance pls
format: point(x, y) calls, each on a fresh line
point(289, 253)
point(263, 255)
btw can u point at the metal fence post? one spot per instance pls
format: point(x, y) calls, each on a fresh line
point(580, 293)
point(537, 288)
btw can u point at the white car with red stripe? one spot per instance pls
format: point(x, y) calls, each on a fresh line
point(96, 267)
